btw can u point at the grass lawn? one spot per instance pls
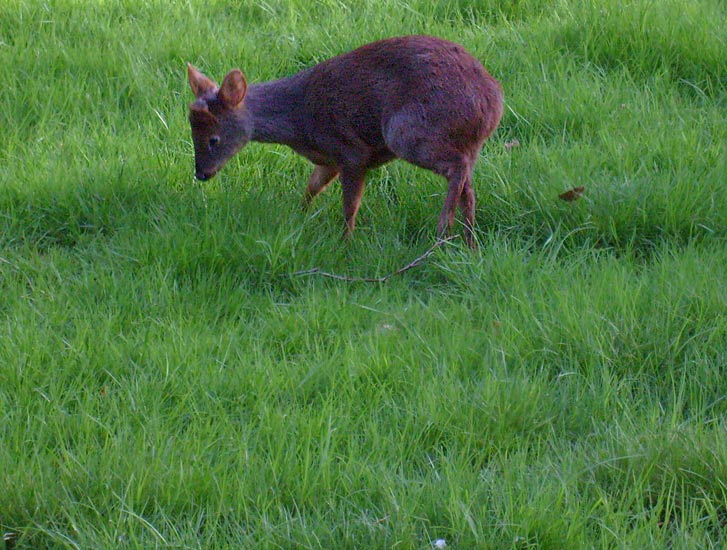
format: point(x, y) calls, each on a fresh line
point(170, 377)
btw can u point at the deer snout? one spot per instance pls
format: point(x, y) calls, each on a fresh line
point(204, 175)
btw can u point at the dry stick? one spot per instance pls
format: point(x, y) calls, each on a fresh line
point(413, 263)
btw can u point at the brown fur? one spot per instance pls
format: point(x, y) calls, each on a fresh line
point(418, 98)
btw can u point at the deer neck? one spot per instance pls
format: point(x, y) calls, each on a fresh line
point(274, 111)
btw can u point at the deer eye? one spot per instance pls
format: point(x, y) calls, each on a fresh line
point(213, 142)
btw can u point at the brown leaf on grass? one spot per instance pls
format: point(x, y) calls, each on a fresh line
point(512, 144)
point(572, 194)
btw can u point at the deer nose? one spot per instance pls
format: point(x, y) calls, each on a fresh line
point(204, 176)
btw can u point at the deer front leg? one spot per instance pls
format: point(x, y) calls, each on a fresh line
point(319, 180)
point(352, 186)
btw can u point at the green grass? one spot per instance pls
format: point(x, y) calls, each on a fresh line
point(169, 380)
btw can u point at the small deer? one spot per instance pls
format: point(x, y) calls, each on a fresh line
point(418, 98)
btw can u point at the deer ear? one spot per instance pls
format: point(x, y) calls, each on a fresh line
point(199, 83)
point(233, 89)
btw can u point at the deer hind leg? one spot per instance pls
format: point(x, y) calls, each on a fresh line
point(319, 180)
point(460, 193)
point(467, 205)
point(444, 158)
point(446, 218)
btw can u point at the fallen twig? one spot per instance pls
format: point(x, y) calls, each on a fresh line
point(413, 263)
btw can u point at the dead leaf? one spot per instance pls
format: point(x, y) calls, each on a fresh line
point(572, 194)
point(512, 144)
